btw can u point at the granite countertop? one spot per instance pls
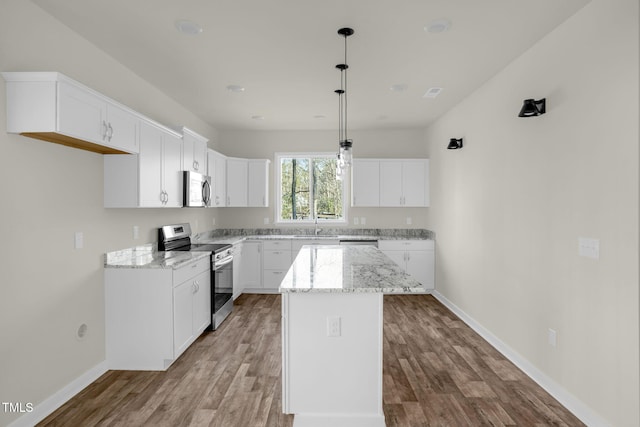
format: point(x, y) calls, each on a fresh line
point(233, 235)
point(332, 268)
point(147, 256)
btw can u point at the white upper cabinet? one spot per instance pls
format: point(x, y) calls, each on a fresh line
point(258, 183)
point(365, 182)
point(217, 170)
point(194, 151)
point(160, 168)
point(247, 182)
point(237, 178)
point(52, 107)
point(152, 178)
point(390, 182)
point(415, 187)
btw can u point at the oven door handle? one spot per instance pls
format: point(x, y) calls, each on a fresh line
point(223, 262)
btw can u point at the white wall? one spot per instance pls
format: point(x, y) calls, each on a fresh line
point(509, 207)
point(404, 143)
point(48, 193)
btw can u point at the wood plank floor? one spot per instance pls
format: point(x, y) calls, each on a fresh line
point(437, 372)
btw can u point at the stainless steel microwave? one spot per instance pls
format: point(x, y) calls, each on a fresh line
point(197, 190)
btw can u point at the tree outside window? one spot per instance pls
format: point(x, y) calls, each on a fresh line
point(309, 189)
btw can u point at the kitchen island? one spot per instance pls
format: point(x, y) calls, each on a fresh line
point(332, 314)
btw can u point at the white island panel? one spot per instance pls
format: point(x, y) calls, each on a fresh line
point(332, 376)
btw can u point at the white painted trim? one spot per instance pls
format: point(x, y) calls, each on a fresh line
point(59, 398)
point(568, 400)
point(338, 420)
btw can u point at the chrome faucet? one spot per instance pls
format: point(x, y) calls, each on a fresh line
point(318, 230)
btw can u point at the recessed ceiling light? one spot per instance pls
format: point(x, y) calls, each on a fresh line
point(257, 117)
point(432, 92)
point(400, 87)
point(188, 27)
point(235, 88)
point(438, 26)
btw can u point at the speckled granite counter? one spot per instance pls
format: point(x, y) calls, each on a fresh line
point(346, 269)
point(232, 235)
point(147, 256)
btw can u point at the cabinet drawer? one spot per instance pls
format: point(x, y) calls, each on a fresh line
point(191, 270)
point(277, 245)
point(271, 279)
point(276, 259)
point(406, 245)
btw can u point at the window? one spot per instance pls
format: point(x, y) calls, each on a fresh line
point(308, 189)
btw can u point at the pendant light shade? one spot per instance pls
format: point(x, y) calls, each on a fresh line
point(345, 155)
point(532, 108)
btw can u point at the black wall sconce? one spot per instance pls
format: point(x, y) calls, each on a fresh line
point(532, 108)
point(454, 144)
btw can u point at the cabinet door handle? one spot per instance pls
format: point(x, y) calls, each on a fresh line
point(110, 133)
point(195, 165)
point(104, 129)
point(217, 200)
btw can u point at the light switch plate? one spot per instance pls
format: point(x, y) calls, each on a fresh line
point(79, 240)
point(589, 248)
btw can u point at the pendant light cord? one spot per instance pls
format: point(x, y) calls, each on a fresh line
point(345, 87)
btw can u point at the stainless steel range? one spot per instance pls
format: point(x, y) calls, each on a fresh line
point(177, 237)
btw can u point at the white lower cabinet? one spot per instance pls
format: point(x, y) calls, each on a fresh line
point(276, 260)
point(154, 315)
point(416, 257)
point(249, 267)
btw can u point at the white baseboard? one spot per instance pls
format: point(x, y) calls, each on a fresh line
point(569, 401)
point(59, 398)
point(338, 420)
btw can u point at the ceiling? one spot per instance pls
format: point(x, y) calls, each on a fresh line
point(283, 53)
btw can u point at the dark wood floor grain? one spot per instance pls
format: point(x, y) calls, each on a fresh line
point(437, 372)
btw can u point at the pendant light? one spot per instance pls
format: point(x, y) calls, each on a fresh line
point(344, 143)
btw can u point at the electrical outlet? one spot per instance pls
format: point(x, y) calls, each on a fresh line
point(213, 221)
point(333, 326)
point(356, 221)
point(552, 337)
point(136, 232)
point(409, 220)
point(266, 220)
point(363, 220)
point(79, 240)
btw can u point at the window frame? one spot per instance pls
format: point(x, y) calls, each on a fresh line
point(278, 184)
